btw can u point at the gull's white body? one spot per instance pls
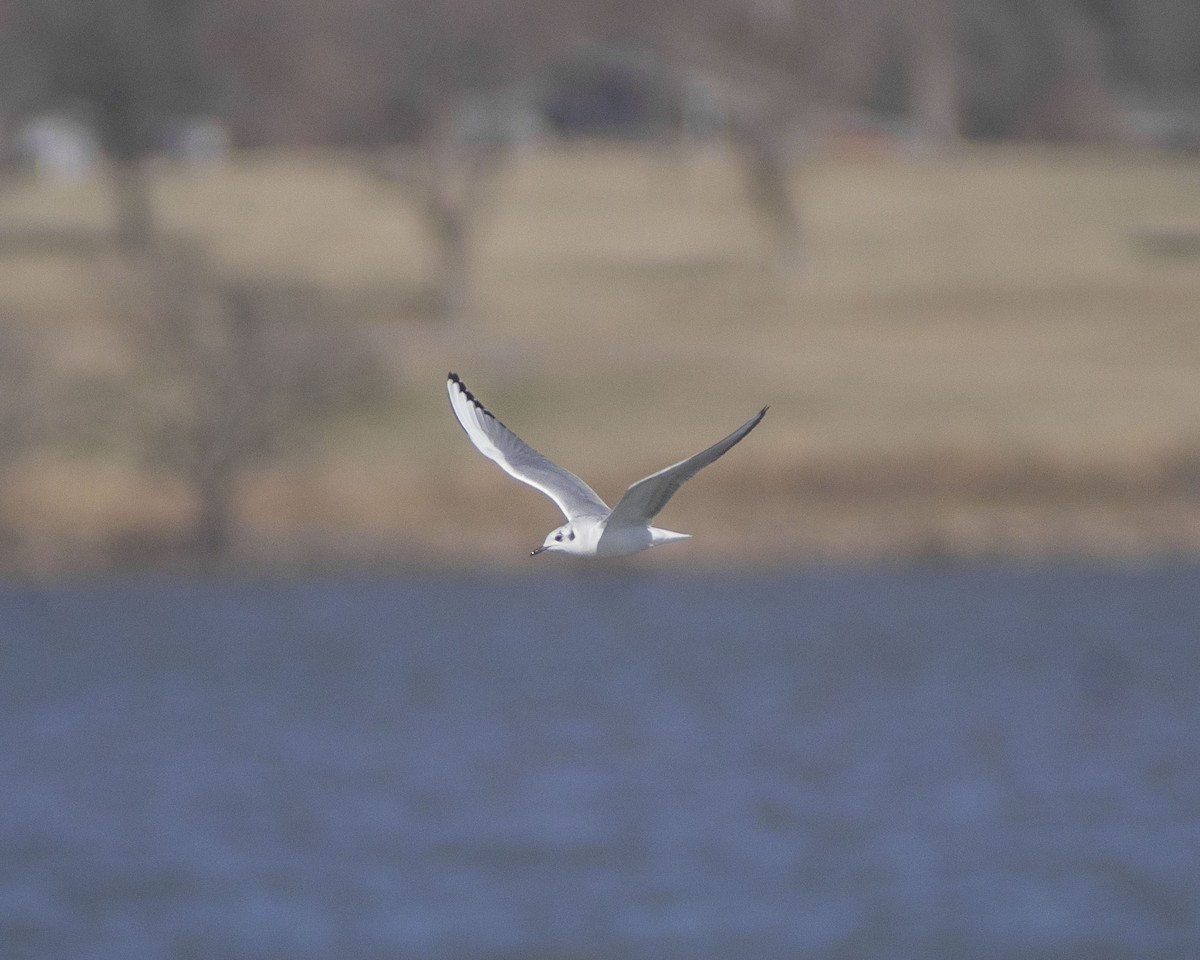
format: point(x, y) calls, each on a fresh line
point(592, 529)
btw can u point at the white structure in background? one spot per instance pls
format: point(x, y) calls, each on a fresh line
point(66, 148)
point(58, 146)
point(199, 140)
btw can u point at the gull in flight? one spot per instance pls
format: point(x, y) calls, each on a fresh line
point(592, 529)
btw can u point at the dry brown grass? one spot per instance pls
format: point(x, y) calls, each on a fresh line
point(980, 358)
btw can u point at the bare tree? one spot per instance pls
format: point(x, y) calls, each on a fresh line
point(927, 30)
point(1077, 103)
point(779, 68)
point(1044, 69)
point(451, 75)
point(230, 370)
point(448, 179)
point(785, 70)
point(423, 86)
point(132, 65)
point(21, 413)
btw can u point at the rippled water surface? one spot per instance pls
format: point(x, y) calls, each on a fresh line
point(892, 763)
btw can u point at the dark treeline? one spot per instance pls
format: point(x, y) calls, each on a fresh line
point(366, 71)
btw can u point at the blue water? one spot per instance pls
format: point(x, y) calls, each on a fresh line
point(890, 763)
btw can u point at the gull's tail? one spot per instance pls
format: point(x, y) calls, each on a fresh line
point(659, 536)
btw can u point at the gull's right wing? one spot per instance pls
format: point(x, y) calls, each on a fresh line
point(518, 459)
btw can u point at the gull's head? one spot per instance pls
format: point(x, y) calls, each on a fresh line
point(560, 540)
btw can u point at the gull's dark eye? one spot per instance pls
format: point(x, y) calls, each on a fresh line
point(559, 538)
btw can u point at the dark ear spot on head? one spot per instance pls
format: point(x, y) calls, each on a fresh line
point(571, 535)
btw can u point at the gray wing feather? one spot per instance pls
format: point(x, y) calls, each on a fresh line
point(518, 459)
point(647, 497)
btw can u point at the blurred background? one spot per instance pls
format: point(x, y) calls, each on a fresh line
point(277, 675)
point(955, 245)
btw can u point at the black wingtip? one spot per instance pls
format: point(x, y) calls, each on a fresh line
point(456, 379)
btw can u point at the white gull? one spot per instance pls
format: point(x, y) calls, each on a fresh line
point(592, 529)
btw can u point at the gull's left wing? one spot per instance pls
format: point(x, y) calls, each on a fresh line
point(647, 497)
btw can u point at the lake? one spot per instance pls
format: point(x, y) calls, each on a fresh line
point(895, 762)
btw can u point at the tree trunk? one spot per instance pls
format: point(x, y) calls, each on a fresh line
point(932, 71)
point(134, 204)
point(452, 276)
point(213, 527)
point(772, 196)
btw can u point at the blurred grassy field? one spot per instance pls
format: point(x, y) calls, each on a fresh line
point(987, 354)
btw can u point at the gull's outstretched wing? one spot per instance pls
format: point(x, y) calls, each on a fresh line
point(518, 459)
point(647, 497)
